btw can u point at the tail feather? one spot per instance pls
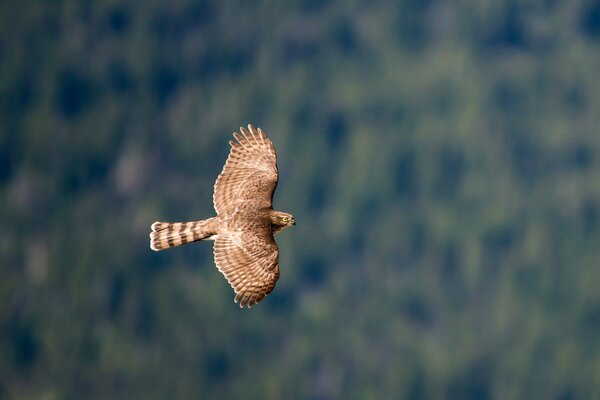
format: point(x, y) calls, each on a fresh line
point(165, 235)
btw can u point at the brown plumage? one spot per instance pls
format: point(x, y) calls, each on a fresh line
point(244, 250)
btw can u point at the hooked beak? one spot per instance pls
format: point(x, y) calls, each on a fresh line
point(293, 221)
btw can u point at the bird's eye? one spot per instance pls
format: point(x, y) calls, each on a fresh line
point(286, 219)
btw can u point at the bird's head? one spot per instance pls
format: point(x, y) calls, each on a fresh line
point(281, 221)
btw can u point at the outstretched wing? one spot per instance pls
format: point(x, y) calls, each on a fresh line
point(250, 263)
point(250, 173)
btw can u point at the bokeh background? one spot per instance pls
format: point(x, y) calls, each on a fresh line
point(442, 159)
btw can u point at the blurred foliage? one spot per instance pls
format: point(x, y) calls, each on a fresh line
point(442, 160)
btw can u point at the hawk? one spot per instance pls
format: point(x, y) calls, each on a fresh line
point(244, 248)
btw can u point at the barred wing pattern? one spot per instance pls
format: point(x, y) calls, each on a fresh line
point(250, 263)
point(250, 173)
point(245, 251)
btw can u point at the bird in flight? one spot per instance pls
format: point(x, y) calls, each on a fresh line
point(244, 248)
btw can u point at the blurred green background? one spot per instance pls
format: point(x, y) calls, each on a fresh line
point(442, 159)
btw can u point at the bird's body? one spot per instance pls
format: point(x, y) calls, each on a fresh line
point(244, 249)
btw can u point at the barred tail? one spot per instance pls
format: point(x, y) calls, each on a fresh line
point(170, 234)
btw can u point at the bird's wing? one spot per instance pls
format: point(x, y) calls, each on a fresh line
point(250, 263)
point(250, 173)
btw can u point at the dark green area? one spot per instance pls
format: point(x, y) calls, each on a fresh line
point(442, 160)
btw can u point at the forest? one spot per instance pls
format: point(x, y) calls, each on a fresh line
point(441, 158)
